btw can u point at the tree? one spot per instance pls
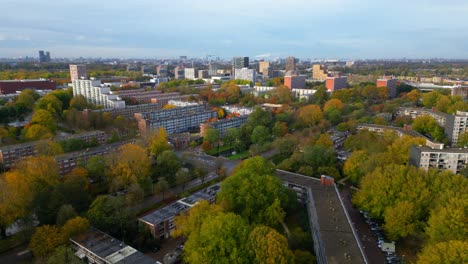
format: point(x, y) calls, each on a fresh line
point(44, 118)
point(65, 213)
point(269, 246)
point(259, 117)
point(254, 193)
point(162, 186)
point(45, 240)
point(50, 103)
point(260, 135)
point(96, 167)
point(303, 257)
point(400, 220)
point(63, 254)
point(211, 137)
point(168, 164)
point(448, 222)
point(130, 164)
point(428, 125)
point(280, 129)
point(158, 142)
point(308, 116)
point(453, 251)
point(74, 227)
point(333, 104)
point(110, 214)
point(78, 102)
point(49, 148)
point(182, 177)
point(221, 240)
point(462, 139)
point(37, 132)
point(189, 223)
point(430, 99)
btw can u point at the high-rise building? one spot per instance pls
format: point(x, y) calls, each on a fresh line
point(455, 125)
point(319, 72)
point(161, 71)
point(190, 73)
point(213, 68)
point(290, 64)
point(246, 74)
point(78, 72)
point(239, 63)
point(44, 56)
point(47, 54)
point(179, 73)
point(97, 94)
point(263, 67)
point(391, 85)
point(336, 83)
point(294, 81)
point(203, 74)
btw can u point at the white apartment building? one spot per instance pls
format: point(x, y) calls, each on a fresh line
point(97, 94)
point(190, 73)
point(246, 74)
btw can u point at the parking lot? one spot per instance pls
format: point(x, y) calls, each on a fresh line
point(167, 246)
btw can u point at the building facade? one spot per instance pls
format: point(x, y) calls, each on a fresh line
point(223, 125)
point(161, 71)
point(179, 73)
point(319, 72)
point(264, 67)
point(336, 83)
point(455, 125)
point(295, 82)
point(391, 85)
point(203, 74)
point(190, 73)
point(239, 63)
point(12, 86)
point(290, 64)
point(246, 74)
point(97, 94)
point(452, 159)
point(78, 72)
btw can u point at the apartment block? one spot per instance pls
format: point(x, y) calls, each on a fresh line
point(161, 71)
point(246, 74)
point(190, 73)
point(295, 81)
point(95, 246)
point(78, 72)
point(222, 125)
point(452, 159)
point(175, 120)
point(319, 72)
point(161, 221)
point(239, 63)
point(391, 85)
point(97, 94)
point(440, 117)
point(9, 155)
point(336, 83)
point(455, 125)
point(263, 67)
point(203, 74)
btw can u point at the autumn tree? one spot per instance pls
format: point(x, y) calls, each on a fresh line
point(37, 132)
point(211, 137)
point(45, 240)
point(448, 222)
point(259, 117)
point(74, 227)
point(51, 104)
point(63, 254)
point(78, 102)
point(401, 220)
point(269, 246)
point(49, 148)
point(158, 142)
point(453, 251)
point(44, 118)
point(427, 125)
point(130, 164)
point(308, 116)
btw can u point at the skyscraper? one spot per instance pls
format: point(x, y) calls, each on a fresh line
point(290, 64)
point(78, 72)
point(263, 67)
point(44, 56)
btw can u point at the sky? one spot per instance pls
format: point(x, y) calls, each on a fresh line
point(328, 29)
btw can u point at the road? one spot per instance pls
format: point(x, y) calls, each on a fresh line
point(368, 241)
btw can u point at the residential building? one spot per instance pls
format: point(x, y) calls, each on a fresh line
point(455, 125)
point(452, 159)
point(391, 85)
point(303, 94)
point(174, 120)
point(293, 81)
point(258, 90)
point(239, 63)
point(179, 73)
point(246, 74)
point(222, 125)
point(336, 83)
point(319, 72)
point(96, 94)
point(78, 72)
point(190, 73)
point(213, 68)
point(264, 67)
point(203, 74)
point(128, 111)
point(9, 155)
point(100, 248)
point(290, 64)
point(12, 86)
point(439, 117)
point(161, 221)
point(146, 69)
point(161, 71)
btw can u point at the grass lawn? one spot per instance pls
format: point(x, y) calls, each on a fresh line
point(242, 155)
point(10, 242)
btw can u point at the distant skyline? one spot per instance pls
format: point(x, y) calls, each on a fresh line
point(302, 28)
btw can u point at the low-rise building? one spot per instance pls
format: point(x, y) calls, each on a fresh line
point(391, 85)
point(101, 248)
point(452, 159)
point(161, 221)
point(13, 86)
point(246, 74)
point(179, 73)
point(222, 125)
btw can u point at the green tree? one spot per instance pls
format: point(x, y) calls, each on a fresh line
point(400, 220)
point(162, 186)
point(168, 164)
point(65, 213)
point(462, 139)
point(109, 213)
point(254, 193)
point(50, 103)
point(261, 135)
point(259, 117)
point(44, 118)
point(78, 102)
point(182, 177)
point(96, 166)
point(63, 254)
point(37, 132)
point(448, 222)
point(309, 115)
point(428, 125)
point(211, 137)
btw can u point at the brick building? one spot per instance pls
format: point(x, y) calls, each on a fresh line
point(12, 86)
point(336, 83)
point(391, 85)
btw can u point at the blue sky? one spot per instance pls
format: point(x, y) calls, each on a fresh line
point(349, 29)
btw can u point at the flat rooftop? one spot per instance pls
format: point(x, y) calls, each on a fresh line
point(338, 241)
point(110, 249)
